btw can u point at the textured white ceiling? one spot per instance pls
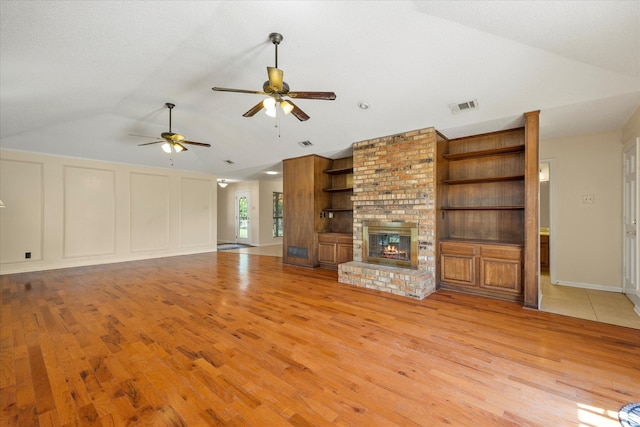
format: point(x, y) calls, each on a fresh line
point(78, 78)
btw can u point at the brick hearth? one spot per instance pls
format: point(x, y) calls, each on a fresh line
point(394, 180)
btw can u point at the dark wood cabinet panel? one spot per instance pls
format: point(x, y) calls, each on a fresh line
point(317, 203)
point(303, 181)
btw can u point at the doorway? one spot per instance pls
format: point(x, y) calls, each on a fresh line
point(595, 305)
point(544, 222)
point(243, 209)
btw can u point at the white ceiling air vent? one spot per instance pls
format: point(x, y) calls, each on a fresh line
point(305, 143)
point(465, 106)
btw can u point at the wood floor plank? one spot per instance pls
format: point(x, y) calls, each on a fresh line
point(226, 339)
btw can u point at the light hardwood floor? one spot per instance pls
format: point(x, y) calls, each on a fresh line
point(231, 339)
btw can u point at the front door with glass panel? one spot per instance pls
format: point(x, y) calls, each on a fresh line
point(243, 210)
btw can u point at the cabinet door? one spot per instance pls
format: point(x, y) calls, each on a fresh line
point(327, 252)
point(458, 264)
point(501, 275)
point(345, 252)
point(458, 269)
point(501, 269)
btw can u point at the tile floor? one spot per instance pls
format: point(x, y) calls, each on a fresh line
point(600, 306)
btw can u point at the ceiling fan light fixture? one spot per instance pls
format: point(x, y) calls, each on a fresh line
point(271, 112)
point(166, 147)
point(223, 183)
point(269, 103)
point(286, 107)
point(178, 147)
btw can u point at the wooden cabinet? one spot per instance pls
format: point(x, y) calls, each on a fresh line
point(318, 212)
point(336, 245)
point(334, 249)
point(486, 213)
point(544, 252)
point(482, 268)
point(304, 200)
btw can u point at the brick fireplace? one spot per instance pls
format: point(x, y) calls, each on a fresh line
point(394, 183)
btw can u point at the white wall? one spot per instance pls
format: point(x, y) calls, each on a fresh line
point(587, 237)
point(70, 212)
point(260, 211)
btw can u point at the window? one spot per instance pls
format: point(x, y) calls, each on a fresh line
point(278, 204)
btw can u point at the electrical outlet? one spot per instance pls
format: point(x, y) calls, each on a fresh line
point(27, 255)
point(587, 199)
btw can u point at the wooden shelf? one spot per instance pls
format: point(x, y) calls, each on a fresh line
point(338, 171)
point(484, 153)
point(338, 210)
point(482, 208)
point(481, 180)
point(337, 190)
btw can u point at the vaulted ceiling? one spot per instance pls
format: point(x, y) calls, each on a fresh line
point(80, 78)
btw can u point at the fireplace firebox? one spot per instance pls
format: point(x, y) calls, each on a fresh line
point(391, 243)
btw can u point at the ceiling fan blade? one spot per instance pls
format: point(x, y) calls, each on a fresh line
point(252, 112)
point(183, 147)
point(276, 77)
point(313, 95)
point(149, 143)
point(226, 89)
point(200, 144)
point(298, 113)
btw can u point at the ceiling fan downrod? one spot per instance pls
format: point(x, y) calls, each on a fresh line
point(170, 107)
point(276, 38)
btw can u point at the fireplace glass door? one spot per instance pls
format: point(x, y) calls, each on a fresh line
point(391, 243)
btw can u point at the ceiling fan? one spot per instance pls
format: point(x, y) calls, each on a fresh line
point(277, 89)
point(173, 141)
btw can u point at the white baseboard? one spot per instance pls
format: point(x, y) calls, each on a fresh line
point(591, 286)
